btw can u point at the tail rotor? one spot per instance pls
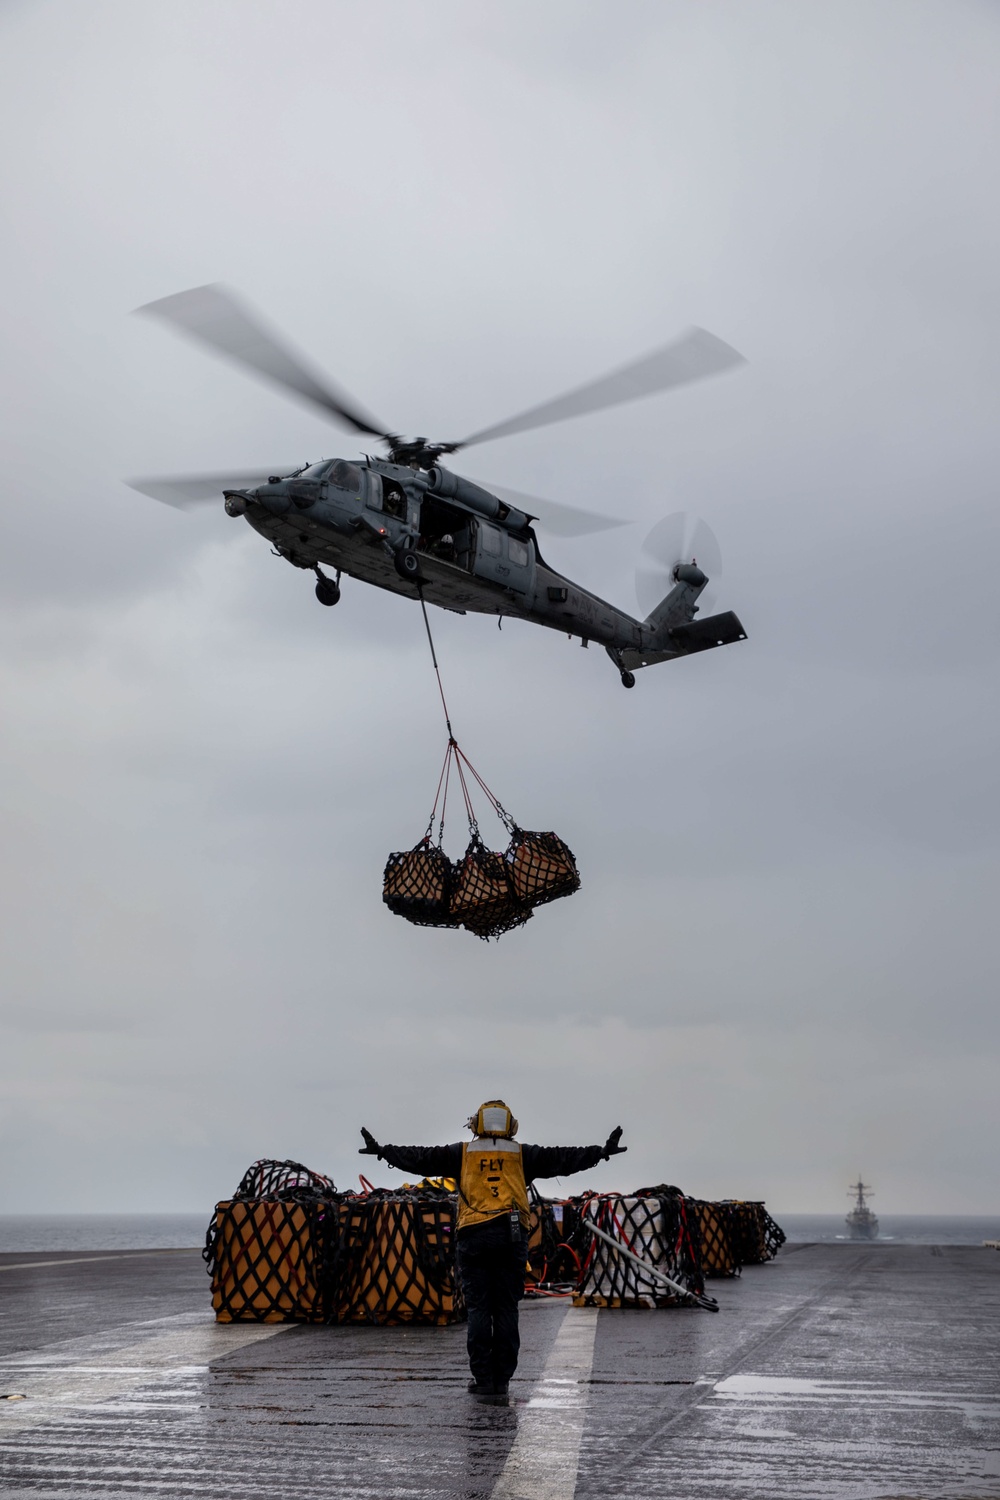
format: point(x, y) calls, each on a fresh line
point(678, 539)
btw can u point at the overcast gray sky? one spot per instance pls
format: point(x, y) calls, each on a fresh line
point(782, 966)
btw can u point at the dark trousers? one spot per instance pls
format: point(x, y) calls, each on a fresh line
point(491, 1265)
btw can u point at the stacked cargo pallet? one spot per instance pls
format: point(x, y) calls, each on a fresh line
point(677, 1237)
point(287, 1247)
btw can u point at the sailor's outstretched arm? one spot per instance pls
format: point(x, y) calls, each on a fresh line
point(562, 1161)
point(428, 1161)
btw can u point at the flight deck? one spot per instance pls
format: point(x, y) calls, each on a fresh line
point(839, 1371)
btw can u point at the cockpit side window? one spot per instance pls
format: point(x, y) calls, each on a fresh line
point(346, 476)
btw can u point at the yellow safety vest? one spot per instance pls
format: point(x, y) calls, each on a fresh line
point(492, 1182)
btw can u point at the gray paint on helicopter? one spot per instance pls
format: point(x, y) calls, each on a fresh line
point(441, 537)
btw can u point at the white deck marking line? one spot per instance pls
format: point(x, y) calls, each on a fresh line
point(82, 1260)
point(64, 1381)
point(545, 1457)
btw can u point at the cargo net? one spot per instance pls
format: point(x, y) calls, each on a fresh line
point(288, 1248)
point(270, 1249)
point(716, 1238)
point(417, 885)
point(756, 1237)
point(396, 1260)
point(640, 1236)
point(282, 1179)
point(557, 1247)
point(485, 892)
point(715, 1230)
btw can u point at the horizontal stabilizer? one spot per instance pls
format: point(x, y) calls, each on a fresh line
point(702, 635)
point(683, 640)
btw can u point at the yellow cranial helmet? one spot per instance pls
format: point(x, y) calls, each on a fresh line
point(493, 1118)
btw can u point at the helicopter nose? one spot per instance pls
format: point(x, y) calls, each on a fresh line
point(273, 496)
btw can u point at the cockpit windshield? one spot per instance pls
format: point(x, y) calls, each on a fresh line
point(346, 476)
point(338, 471)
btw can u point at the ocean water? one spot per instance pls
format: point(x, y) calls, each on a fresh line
point(902, 1229)
point(21, 1232)
point(32, 1232)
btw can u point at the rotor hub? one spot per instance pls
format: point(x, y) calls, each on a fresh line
point(415, 453)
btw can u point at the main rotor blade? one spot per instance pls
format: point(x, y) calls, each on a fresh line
point(215, 317)
point(693, 356)
point(553, 516)
point(184, 491)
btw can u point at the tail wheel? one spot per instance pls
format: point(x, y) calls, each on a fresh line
point(628, 679)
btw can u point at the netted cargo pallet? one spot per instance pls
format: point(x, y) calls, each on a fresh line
point(556, 1247)
point(713, 1227)
point(396, 1260)
point(483, 899)
point(542, 867)
point(289, 1248)
point(269, 1259)
point(417, 885)
point(653, 1225)
point(756, 1237)
point(268, 1178)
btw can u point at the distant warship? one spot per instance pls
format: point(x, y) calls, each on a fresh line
point(861, 1221)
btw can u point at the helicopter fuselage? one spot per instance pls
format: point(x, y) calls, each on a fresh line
point(436, 535)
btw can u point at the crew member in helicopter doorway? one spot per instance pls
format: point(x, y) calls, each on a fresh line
point(493, 1171)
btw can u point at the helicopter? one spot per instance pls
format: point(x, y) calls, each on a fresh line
point(406, 523)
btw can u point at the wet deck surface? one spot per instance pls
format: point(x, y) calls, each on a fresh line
point(838, 1370)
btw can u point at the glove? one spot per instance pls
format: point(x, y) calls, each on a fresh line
point(611, 1146)
point(371, 1146)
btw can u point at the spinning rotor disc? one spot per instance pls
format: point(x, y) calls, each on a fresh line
point(678, 538)
point(215, 317)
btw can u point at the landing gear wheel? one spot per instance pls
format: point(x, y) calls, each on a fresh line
point(628, 679)
point(327, 592)
point(407, 564)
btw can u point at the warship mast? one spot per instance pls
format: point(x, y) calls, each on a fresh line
point(861, 1221)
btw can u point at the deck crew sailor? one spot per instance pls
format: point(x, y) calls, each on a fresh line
point(493, 1171)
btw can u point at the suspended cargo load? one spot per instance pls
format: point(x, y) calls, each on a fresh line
point(484, 899)
point(485, 892)
point(417, 885)
point(542, 868)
